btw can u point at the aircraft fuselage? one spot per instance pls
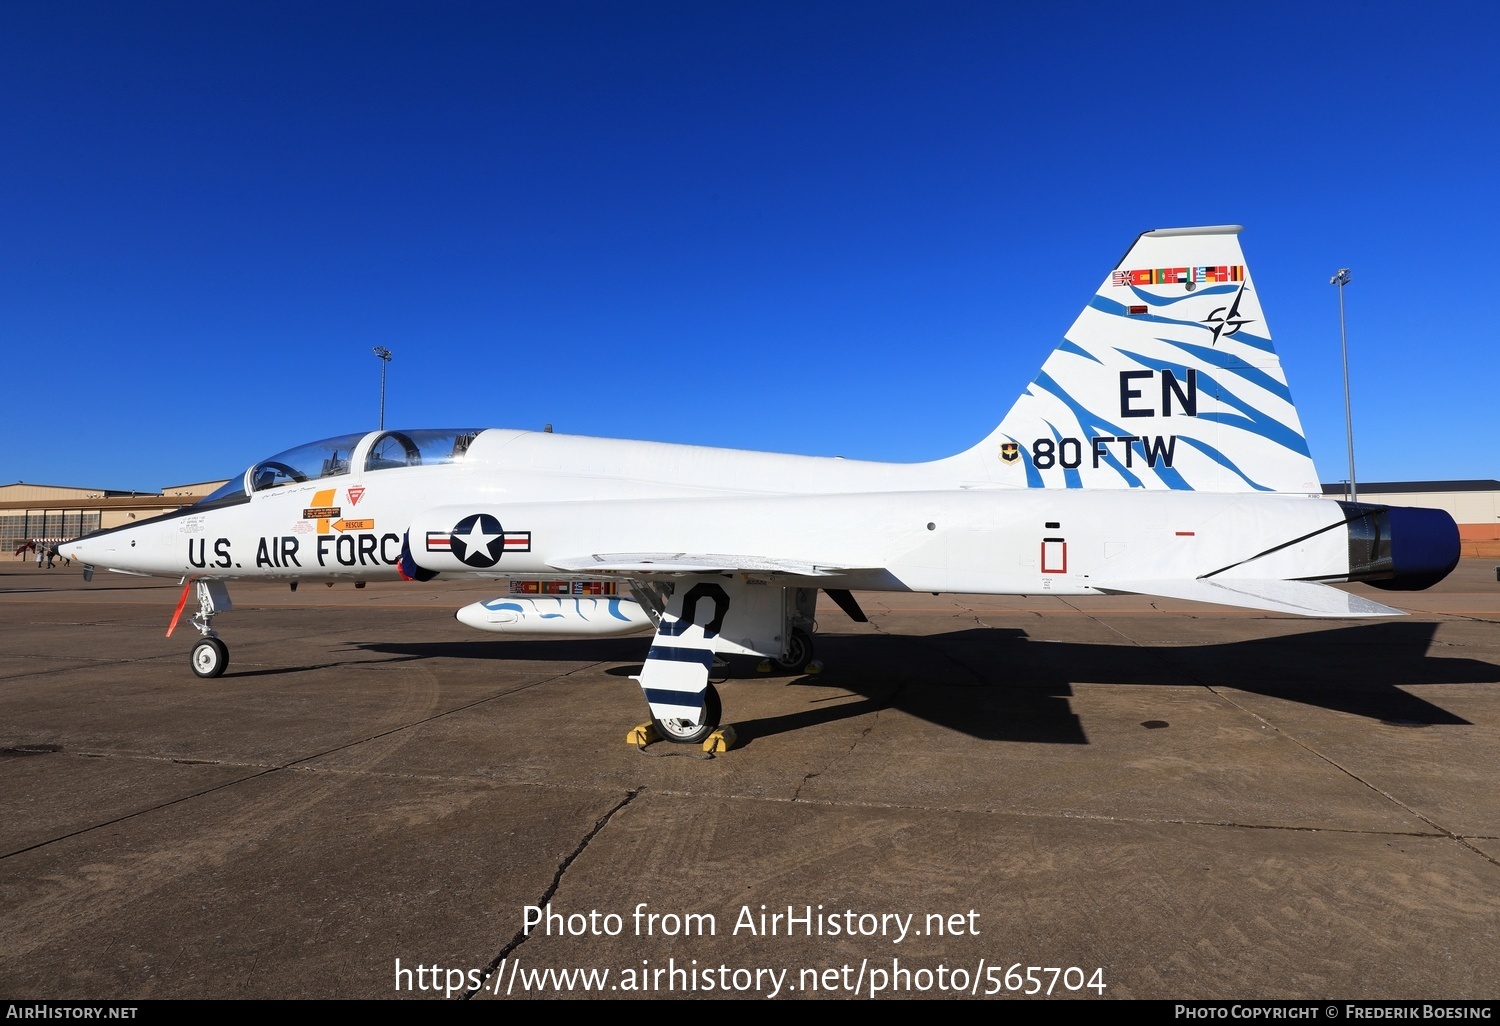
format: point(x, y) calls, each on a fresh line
point(880, 526)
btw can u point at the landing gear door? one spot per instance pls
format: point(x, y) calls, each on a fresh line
point(756, 623)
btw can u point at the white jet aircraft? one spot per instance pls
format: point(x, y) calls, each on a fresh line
point(1157, 452)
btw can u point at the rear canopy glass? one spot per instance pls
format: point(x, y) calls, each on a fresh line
point(430, 447)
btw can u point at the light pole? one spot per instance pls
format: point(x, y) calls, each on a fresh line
point(385, 358)
point(1341, 279)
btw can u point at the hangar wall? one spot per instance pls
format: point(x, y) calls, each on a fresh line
point(57, 513)
point(1474, 504)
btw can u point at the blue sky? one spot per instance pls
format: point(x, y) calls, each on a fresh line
point(831, 228)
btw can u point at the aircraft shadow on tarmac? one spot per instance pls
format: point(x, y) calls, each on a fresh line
point(997, 684)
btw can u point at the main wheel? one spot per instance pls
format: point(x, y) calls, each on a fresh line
point(685, 731)
point(210, 657)
point(799, 652)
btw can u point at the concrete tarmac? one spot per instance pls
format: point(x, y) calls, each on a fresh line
point(1149, 798)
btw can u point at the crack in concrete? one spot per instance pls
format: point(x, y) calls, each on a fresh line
point(809, 777)
point(890, 700)
point(296, 763)
point(1459, 839)
point(1437, 828)
point(520, 935)
point(928, 646)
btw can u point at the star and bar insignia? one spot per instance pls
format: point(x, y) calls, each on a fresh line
point(479, 541)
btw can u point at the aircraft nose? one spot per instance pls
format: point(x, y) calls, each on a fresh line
point(102, 548)
point(72, 550)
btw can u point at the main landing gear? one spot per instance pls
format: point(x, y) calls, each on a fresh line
point(685, 731)
point(799, 652)
point(691, 615)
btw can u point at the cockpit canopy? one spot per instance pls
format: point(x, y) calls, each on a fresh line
point(419, 448)
point(334, 457)
point(328, 458)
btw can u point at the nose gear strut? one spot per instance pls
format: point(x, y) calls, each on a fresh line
point(210, 656)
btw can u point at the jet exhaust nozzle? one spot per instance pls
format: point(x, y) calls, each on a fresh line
point(1400, 548)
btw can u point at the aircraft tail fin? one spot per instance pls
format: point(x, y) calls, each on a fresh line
point(1167, 380)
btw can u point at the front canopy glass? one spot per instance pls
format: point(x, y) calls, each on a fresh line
point(310, 462)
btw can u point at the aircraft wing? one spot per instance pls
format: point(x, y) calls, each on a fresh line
point(1303, 598)
point(690, 563)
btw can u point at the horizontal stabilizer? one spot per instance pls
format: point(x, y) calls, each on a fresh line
point(1302, 598)
point(688, 563)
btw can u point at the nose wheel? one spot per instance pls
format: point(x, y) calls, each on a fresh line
point(210, 657)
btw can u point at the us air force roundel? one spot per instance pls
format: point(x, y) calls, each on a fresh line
point(478, 541)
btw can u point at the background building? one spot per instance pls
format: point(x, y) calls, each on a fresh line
point(1474, 504)
point(57, 513)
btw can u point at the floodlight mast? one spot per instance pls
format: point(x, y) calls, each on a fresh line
point(1341, 279)
point(385, 358)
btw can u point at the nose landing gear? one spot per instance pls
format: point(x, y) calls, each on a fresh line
point(210, 656)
